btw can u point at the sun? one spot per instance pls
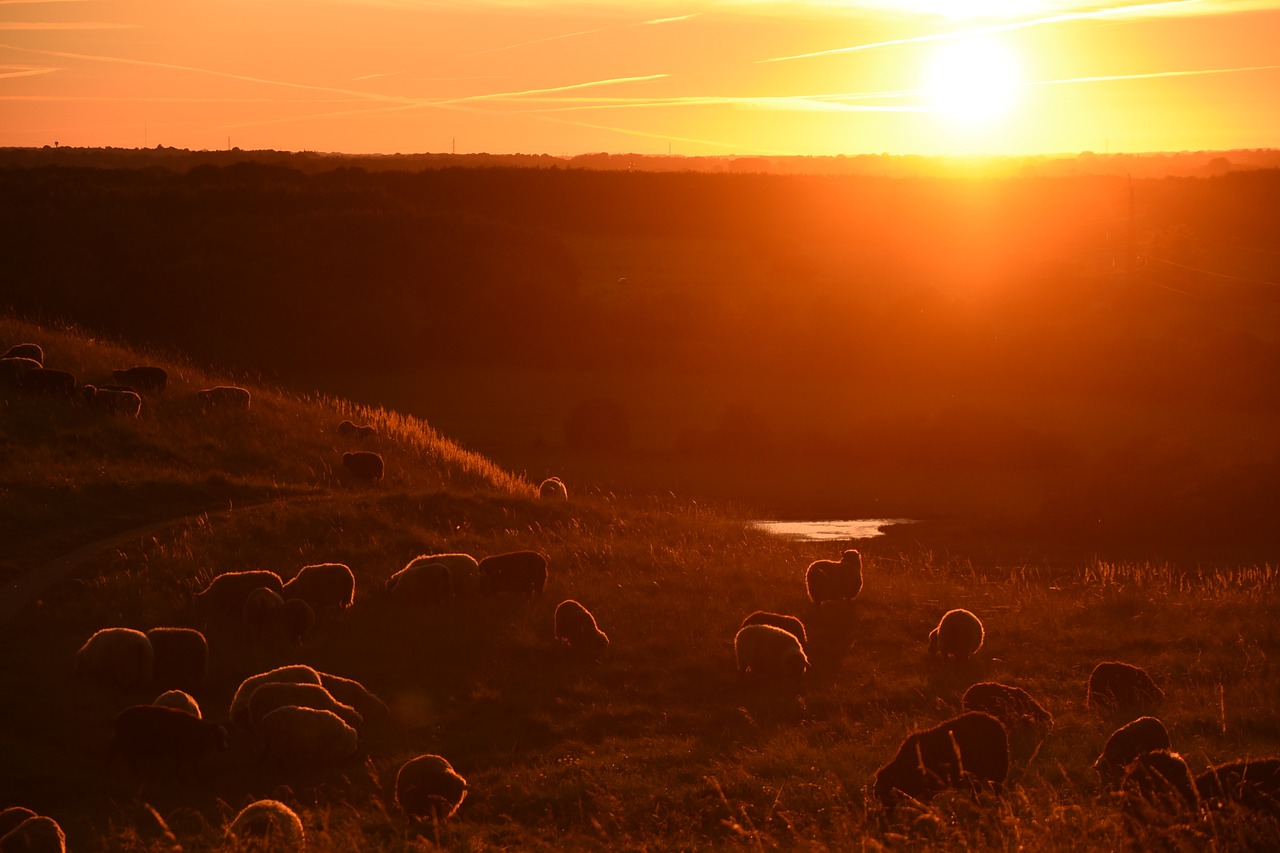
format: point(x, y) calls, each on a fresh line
point(973, 80)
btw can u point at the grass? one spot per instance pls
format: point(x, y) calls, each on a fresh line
point(657, 746)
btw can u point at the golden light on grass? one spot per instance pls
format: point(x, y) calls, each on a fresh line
point(973, 81)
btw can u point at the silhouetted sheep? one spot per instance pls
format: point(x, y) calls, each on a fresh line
point(576, 627)
point(1145, 734)
point(42, 380)
point(225, 397)
point(959, 635)
point(351, 692)
point(516, 571)
point(1117, 685)
point(36, 834)
point(1025, 719)
point(305, 737)
point(831, 580)
point(142, 378)
point(295, 673)
point(1252, 784)
point(296, 618)
point(28, 350)
point(1158, 783)
point(428, 788)
point(351, 428)
point(769, 655)
point(180, 700)
point(323, 585)
point(464, 570)
point(121, 657)
point(279, 694)
point(778, 620)
point(363, 465)
point(12, 369)
point(227, 593)
point(261, 611)
point(971, 749)
point(181, 658)
point(421, 583)
point(126, 403)
point(12, 816)
point(268, 825)
point(155, 733)
point(553, 488)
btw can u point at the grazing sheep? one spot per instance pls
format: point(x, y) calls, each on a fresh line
point(1025, 719)
point(421, 583)
point(553, 489)
point(769, 654)
point(268, 825)
point(225, 397)
point(29, 351)
point(778, 620)
point(971, 749)
point(577, 628)
point(296, 619)
point(1116, 685)
point(180, 700)
point(294, 673)
point(42, 380)
point(142, 378)
point(181, 658)
point(279, 694)
point(36, 834)
point(126, 403)
point(831, 580)
point(262, 608)
point(227, 593)
point(1158, 784)
point(363, 465)
point(1145, 734)
point(12, 816)
point(464, 570)
point(11, 369)
point(351, 428)
point(959, 635)
point(122, 657)
point(427, 787)
point(1253, 784)
point(305, 737)
point(351, 692)
point(323, 585)
point(156, 733)
point(516, 571)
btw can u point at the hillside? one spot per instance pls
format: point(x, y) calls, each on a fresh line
point(657, 745)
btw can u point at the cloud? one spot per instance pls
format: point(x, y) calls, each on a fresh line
point(7, 71)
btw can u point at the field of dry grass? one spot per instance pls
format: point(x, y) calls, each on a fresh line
point(656, 746)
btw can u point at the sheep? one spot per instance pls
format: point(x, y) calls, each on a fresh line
point(180, 700)
point(42, 380)
point(1117, 685)
point(268, 825)
point(427, 787)
point(577, 628)
point(181, 657)
point(351, 692)
point(12, 816)
point(1158, 784)
point(126, 403)
point(296, 619)
point(831, 580)
point(1025, 719)
point(778, 620)
point(553, 489)
point(464, 570)
point(294, 673)
point(279, 694)
point(959, 635)
point(142, 378)
point(351, 428)
point(156, 733)
point(363, 465)
point(1253, 784)
point(28, 351)
point(769, 654)
point(227, 593)
point(229, 397)
point(11, 369)
point(516, 571)
point(261, 611)
point(298, 737)
point(421, 583)
point(323, 585)
point(1145, 734)
point(121, 657)
point(36, 834)
point(972, 749)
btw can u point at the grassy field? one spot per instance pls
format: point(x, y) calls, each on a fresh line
point(658, 745)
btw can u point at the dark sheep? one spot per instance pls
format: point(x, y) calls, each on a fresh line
point(296, 618)
point(297, 673)
point(11, 370)
point(959, 635)
point(36, 834)
point(769, 656)
point(428, 788)
point(421, 583)
point(231, 397)
point(576, 627)
point(126, 403)
point(353, 429)
point(517, 571)
point(12, 816)
point(1026, 720)
point(120, 657)
point(778, 620)
point(42, 380)
point(1145, 734)
point(1120, 686)
point(30, 351)
point(1253, 784)
point(280, 694)
point(268, 825)
point(152, 734)
point(351, 692)
point(1158, 785)
point(142, 378)
point(829, 580)
point(181, 657)
point(261, 611)
point(363, 465)
point(227, 593)
point(971, 749)
point(553, 488)
point(323, 585)
point(297, 738)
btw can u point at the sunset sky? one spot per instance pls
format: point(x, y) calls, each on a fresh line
point(701, 77)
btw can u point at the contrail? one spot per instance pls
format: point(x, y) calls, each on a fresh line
point(1151, 74)
point(23, 71)
point(990, 28)
point(376, 76)
point(165, 99)
point(669, 20)
point(538, 41)
point(518, 95)
point(52, 25)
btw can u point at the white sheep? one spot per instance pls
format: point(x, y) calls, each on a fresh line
point(421, 583)
point(122, 657)
point(180, 700)
point(305, 737)
point(268, 825)
point(959, 635)
point(464, 570)
point(428, 787)
point(767, 653)
point(553, 489)
point(294, 673)
point(279, 694)
point(832, 580)
point(323, 585)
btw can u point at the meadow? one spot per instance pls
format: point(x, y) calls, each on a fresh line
point(658, 745)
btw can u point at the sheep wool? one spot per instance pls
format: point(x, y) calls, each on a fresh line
point(323, 585)
point(464, 570)
point(121, 657)
point(180, 700)
point(261, 609)
point(279, 694)
point(553, 489)
point(305, 737)
point(1117, 685)
point(972, 748)
point(427, 787)
point(832, 580)
point(1145, 734)
point(421, 583)
point(1158, 785)
point(181, 658)
point(294, 673)
point(363, 465)
point(515, 572)
point(778, 620)
point(227, 593)
point(143, 378)
point(576, 627)
point(351, 692)
point(1253, 784)
point(1025, 719)
point(27, 350)
point(268, 825)
point(12, 816)
point(229, 397)
point(296, 618)
point(770, 654)
point(36, 834)
point(959, 635)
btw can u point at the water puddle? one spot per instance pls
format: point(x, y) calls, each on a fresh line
point(823, 531)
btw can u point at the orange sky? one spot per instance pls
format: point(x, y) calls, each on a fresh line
point(694, 78)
